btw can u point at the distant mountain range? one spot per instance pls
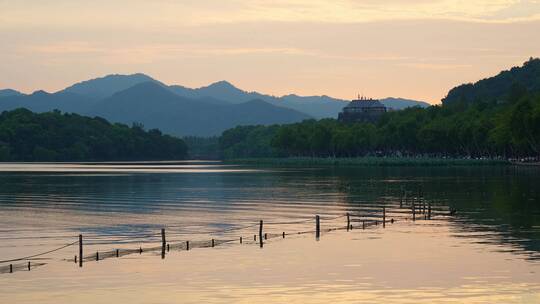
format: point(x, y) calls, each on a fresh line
point(315, 106)
point(179, 110)
point(9, 92)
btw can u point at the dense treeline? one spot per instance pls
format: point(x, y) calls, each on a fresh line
point(497, 117)
point(249, 141)
point(462, 129)
point(203, 147)
point(53, 136)
point(506, 86)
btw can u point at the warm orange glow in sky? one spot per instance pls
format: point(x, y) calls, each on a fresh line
point(405, 48)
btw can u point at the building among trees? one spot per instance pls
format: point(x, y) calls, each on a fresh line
point(362, 110)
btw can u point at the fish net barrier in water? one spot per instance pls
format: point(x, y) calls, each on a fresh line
point(27, 266)
point(369, 217)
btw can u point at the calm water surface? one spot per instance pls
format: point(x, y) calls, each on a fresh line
point(489, 252)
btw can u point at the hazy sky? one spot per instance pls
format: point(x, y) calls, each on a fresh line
point(404, 48)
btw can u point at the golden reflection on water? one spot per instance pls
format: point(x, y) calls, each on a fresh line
point(404, 263)
point(475, 258)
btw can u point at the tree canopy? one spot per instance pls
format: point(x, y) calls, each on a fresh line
point(506, 86)
point(56, 136)
point(481, 129)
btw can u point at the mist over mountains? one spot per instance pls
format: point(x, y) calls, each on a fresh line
point(179, 110)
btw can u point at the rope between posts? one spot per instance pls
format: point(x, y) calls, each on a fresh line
point(40, 254)
point(173, 232)
point(304, 221)
point(367, 221)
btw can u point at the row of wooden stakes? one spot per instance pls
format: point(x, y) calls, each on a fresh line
point(165, 247)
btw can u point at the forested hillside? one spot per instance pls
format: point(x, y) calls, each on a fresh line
point(53, 136)
point(507, 86)
point(477, 131)
point(482, 128)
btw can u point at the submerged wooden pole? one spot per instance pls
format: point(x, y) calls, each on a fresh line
point(348, 221)
point(187, 245)
point(80, 250)
point(10, 268)
point(283, 234)
point(317, 227)
point(212, 242)
point(28, 265)
point(413, 212)
point(117, 253)
point(240, 240)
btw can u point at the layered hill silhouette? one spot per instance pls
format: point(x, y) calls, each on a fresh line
point(179, 115)
point(315, 106)
point(9, 92)
point(179, 110)
point(507, 85)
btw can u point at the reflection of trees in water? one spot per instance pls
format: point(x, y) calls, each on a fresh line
point(503, 202)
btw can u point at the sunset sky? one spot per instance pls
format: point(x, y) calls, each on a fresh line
point(403, 48)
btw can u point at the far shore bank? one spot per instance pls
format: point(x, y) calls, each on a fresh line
point(368, 161)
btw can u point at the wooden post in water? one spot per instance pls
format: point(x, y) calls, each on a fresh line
point(140, 250)
point(163, 240)
point(413, 212)
point(317, 227)
point(384, 217)
point(283, 234)
point(80, 250)
point(75, 259)
point(261, 233)
point(429, 210)
point(97, 255)
point(348, 221)
point(187, 245)
point(240, 240)
point(168, 248)
point(117, 253)
point(10, 268)
point(212, 242)
point(363, 224)
point(28, 265)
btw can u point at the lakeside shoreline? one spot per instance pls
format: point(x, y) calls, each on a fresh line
point(368, 161)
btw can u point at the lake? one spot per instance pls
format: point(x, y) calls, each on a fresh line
point(487, 252)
